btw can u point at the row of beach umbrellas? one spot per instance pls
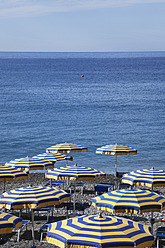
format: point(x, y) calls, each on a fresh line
point(95, 231)
point(55, 153)
point(101, 231)
point(85, 231)
point(60, 151)
point(34, 197)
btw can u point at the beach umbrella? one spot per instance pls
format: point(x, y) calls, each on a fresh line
point(32, 198)
point(116, 150)
point(99, 231)
point(53, 157)
point(30, 164)
point(10, 173)
point(129, 201)
point(9, 222)
point(149, 178)
point(74, 173)
point(66, 148)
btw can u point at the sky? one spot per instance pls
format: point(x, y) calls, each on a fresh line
point(82, 25)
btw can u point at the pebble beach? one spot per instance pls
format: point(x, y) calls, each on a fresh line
point(38, 179)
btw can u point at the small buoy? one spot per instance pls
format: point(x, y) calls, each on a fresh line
point(82, 75)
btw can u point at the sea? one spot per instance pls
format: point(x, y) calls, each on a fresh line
point(120, 99)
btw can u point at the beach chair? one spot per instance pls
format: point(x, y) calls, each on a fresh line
point(44, 210)
point(103, 188)
point(43, 230)
point(120, 174)
point(80, 185)
point(160, 235)
point(125, 186)
point(55, 183)
point(19, 230)
point(78, 207)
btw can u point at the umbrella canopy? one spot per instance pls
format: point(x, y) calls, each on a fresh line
point(116, 150)
point(33, 197)
point(31, 163)
point(97, 231)
point(53, 157)
point(129, 201)
point(9, 222)
point(145, 177)
point(75, 173)
point(66, 148)
point(10, 173)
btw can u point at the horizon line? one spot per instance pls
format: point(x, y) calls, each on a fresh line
point(140, 51)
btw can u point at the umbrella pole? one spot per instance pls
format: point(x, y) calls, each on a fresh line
point(33, 229)
point(74, 198)
point(116, 166)
point(152, 222)
point(4, 186)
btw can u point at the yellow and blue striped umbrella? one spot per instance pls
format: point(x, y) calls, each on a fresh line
point(10, 173)
point(116, 150)
point(33, 197)
point(29, 164)
point(129, 201)
point(53, 157)
point(98, 231)
point(74, 173)
point(66, 148)
point(9, 222)
point(149, 178)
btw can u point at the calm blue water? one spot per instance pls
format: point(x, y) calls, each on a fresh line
point(121, 99)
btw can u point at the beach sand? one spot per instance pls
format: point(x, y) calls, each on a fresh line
point(38, 179)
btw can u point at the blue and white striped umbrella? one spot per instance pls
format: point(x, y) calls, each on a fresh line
point(98, 231)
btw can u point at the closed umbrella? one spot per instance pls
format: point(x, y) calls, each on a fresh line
point(33, 197)
point(116, 150)
point(9, 222)
point(10, 173)
point(149, 178)
point(74, 173)
point(98, 231)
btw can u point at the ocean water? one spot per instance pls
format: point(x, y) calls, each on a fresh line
point(44, 100)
